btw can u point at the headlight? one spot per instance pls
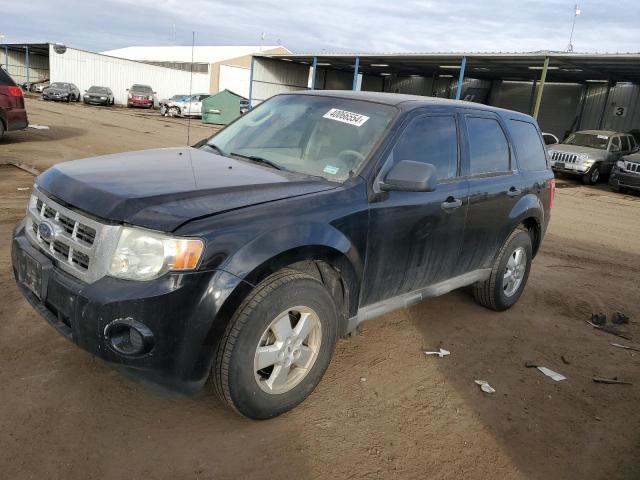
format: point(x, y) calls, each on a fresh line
point(150, 98)
point(103, 98)
point(86, 96)
point(145, 255)
point(620, 164)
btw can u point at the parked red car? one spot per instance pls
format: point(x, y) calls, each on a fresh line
point(13, 115)
point(141, 96)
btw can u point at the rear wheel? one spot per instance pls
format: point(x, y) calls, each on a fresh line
point(277, 346)
point(592, 176)
point(1, 129)
point(509, 273)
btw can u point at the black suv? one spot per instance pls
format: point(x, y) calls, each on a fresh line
point(244, 258)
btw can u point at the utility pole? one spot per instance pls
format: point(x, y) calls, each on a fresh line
point(576, 12)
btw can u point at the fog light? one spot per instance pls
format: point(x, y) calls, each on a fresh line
point(128, 337)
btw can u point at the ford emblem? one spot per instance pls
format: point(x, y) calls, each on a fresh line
point(45, 230)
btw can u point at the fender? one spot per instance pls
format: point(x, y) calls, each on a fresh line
point(529, 206)
point(275, 243)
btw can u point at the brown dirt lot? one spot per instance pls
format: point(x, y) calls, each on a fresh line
point(383, 410)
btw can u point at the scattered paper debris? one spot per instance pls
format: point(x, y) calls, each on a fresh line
point(550, 373)
point(22, 189)
point(485, 387)
point(362, 379)
point(613, 380)
point(441, 353)
point(39, 127)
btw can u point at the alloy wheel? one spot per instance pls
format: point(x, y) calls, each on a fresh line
point(515, 270)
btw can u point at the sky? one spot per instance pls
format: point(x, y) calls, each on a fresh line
point(329, 25)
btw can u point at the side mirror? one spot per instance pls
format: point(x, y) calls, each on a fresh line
point(155, 93)
point(127, 89)
point(410, 176)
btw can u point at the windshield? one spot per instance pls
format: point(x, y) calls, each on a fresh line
point(588, 140)
point(97, 90)
point(324, 136)
point(60, 86)
point(179, 98)
point(142, 88)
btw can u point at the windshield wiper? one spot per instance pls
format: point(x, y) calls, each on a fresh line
point(255, 158)
point(213, 146)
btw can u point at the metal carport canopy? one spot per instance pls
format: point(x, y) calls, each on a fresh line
point(563, 67)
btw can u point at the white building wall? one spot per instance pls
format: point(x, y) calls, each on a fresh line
point(86, 69)
point(236, 79)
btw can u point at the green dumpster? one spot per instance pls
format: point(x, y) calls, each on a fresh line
point(223, 107)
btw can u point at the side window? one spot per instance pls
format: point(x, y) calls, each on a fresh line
point(625, 144)
point(431, 140)
point(616, 141)
point(632, 143)
point(488, 147)
point(528, 145)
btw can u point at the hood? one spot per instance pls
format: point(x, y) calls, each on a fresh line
point(164, 188)
point(565, 148)
point(634, 157)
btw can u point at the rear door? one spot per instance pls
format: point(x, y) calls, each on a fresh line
point(495, 185)
point(415, 237)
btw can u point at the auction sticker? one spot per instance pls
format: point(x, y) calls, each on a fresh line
point(330, 169)
point(346, 117)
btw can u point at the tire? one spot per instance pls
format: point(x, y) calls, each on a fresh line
point(77, 98)
point(238, 382)
point(1, 130)
point(592, 176)
point(69, 98)
point(173, 111)
point(493, 293)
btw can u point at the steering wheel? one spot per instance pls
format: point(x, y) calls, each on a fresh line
point(355, 153)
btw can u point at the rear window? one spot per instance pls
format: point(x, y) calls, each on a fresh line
point(488, 147)
point(5, 79)
point(142, 88)
point(528, 146)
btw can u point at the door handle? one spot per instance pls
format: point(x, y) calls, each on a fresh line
point(451, 204)
point(514, 192)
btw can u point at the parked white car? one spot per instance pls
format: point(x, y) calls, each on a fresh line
point(184, 105)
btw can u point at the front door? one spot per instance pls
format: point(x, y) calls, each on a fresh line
point(415, 237)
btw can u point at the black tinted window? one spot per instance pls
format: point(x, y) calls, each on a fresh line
point(431, 140)
point(5, 79)
point(488, 147)
point(528, 145)
point(625, 144)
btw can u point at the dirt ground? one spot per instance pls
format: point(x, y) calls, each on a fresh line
point(384, 409)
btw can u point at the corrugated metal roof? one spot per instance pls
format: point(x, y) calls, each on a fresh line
point(182, 53)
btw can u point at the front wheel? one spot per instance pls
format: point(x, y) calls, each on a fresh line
point(592, 176)
point(277, 346)
point(509, 273)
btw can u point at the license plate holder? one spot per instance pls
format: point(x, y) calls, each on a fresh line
point(559, 165)
point(31, 274)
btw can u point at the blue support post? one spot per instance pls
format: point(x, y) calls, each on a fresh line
point(27, 62)
point(355, 74)
point(251, 83)
point(461, 77)
point(314, 67)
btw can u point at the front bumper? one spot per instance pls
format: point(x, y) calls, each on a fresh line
point(135, 102)
point(571, 168)
point(620, 179)
point(96, 101)
point(179, 309)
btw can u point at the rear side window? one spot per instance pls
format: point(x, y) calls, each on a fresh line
point(5, 79)
point(431, 140)
point(528, 145)
point(488, 146)
point(625, 144)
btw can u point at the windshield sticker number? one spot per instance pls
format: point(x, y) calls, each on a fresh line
point(603, 137)
point(331, 170)
point(346, 117)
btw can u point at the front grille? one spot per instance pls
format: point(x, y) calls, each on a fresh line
point(564, 157)
point(632, 167)
point(81, 245)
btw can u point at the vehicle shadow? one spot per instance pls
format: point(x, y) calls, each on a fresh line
point(45, 135)
point(548, 429)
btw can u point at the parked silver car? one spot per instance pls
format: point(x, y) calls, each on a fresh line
point(185, 106)
point(590, 154)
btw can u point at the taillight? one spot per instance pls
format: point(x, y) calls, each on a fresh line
point(552, 191)
point(14, 91)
